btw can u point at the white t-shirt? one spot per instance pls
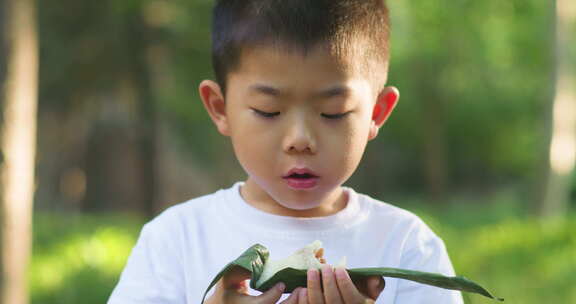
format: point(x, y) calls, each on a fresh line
point(180, 251)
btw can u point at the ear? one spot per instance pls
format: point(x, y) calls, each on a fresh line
point(213, 101)
point(386, 102)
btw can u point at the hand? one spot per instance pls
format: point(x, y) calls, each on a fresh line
point(233, 289)
point(339, 288)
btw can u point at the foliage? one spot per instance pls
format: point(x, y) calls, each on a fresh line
point(521, 258)
point(78, 259)
point(478, 66)
point(477, 72)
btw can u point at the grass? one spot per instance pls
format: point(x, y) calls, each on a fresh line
point(78, 259)
point(520, 258)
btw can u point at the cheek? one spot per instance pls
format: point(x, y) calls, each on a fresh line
point(351, 142)
point(247, 145)
point(252, 145)
point(250, 156)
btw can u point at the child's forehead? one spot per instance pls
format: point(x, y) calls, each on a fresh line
point(280, 61)
point(316, 69)
point(278, 53)
point(281, 72)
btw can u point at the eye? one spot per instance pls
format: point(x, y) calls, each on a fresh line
point(265, 114)
point(335, 116)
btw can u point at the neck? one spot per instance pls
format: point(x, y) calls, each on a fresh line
point(260, 199)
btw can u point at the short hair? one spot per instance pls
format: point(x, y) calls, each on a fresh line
point(346, 26)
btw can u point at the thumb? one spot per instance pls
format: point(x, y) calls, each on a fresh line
point(236, 278)
point(272, 295)
point(375, 286)
point(234, 281)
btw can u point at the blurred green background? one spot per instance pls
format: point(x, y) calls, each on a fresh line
point(122, 135)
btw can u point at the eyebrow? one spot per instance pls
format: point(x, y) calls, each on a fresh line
point(265, 89)
point(337, 90)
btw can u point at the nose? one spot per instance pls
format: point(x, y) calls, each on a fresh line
point(299, 138)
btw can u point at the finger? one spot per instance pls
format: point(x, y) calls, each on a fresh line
point(231, 294)
point(293, 298)
point(242, 287)
point(272, 295)
point(376, 285)
point(331, 293)
point(303, 296)
point(233, 297)
point(371, 286)
point(349, 292)
point(314, 291)
point(361, 284)
point(234, 279)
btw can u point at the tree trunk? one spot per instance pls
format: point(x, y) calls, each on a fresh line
point(147, 130)
point(435, 164)
point(554, 199)
point(434, 156)
point(18, 145)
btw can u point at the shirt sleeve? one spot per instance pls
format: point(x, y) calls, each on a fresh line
point(153, 272)
point(424, 251)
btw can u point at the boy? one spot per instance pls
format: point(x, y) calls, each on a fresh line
point(300, 91)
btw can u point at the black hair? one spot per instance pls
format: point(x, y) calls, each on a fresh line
point(346, 26)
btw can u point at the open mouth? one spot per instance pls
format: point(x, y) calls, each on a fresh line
point(300, 176)
point(301, 179)
point(300, 173)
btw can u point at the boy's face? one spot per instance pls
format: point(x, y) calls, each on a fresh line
point(286, 111)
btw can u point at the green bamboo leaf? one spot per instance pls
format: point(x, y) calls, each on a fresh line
point(252, 259)
point(293, 278)
point(434, 279)
point(256, 256)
